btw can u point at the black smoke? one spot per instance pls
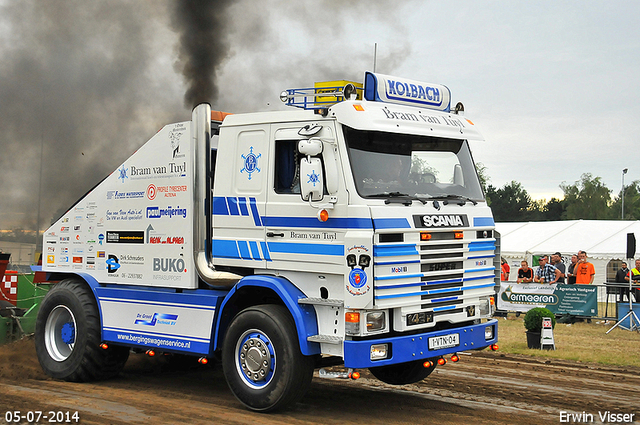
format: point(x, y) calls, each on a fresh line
point(203, 46)
point(86, 83)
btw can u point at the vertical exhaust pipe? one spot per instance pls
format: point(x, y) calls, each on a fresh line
point(203, 202)
point(202, 226)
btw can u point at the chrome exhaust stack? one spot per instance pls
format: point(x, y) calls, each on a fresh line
point(202, 200)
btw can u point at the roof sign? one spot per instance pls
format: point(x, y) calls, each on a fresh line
point(385, 88)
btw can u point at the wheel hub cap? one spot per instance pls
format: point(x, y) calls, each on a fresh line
point(255, 358)
point(60, 333)
point(68, 333)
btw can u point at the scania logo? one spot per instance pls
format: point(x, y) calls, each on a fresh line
point(175, 265)
point(441, 220)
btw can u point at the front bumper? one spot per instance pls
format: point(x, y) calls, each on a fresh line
point(416, 347)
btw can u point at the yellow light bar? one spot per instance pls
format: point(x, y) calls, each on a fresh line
point(330, 87)
point(425, 236)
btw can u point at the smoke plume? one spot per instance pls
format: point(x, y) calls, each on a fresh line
point(87, 83)
point(203, 46)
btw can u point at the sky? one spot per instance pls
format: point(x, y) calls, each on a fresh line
point(552, 85)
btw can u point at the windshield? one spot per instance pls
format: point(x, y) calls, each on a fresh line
point(418, 166)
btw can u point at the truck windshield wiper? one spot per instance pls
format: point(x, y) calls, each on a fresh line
point(461, 199)
point(397, 198)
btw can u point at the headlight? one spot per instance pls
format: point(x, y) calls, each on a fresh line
point(487, 306)
point(376, 321)
point(488, 333)
point(379, 352)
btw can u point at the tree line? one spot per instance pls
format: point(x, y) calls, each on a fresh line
point(588, 199)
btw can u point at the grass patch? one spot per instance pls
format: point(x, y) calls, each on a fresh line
point(584, 342)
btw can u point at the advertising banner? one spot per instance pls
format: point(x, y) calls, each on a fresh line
point(577, 300)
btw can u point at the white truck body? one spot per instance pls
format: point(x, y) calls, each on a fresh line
point(407, 236)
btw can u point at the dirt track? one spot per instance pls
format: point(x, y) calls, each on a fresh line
point(483, 388)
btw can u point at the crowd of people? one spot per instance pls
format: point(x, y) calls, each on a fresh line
point(553, 270)
point(579, 271)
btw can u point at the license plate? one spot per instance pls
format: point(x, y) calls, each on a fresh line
point(444, 341)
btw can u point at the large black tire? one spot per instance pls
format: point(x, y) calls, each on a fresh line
point(68, 336)
point(261, 359)
point(402, 373)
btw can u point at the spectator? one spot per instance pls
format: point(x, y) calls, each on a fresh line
point(584, 270)
point(546, 273)
point(571, 274)
point(622, 276)
point(525, 274)
point(504, 275)
point(556, 260)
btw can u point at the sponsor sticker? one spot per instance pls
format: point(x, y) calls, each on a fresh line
point(136, 237)
point(358, 282)
point(168, 212)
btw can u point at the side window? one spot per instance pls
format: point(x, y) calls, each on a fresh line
point(287, 175)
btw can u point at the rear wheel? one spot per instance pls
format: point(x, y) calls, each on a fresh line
point(67, 336)
point(261, 359)
point(402, 373)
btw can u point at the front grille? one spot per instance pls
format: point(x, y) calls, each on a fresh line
point(430, 247)
point(452, 311)
point(445, 303)
point(457, 277)
point(439, 295)
point(440, 286)
point(438, 256)
point(438, 267)
point(433, 276)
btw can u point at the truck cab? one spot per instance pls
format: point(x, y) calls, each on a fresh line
point(372, 209)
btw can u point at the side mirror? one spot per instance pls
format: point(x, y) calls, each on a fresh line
point(310, 147)
point(311, 179)
point(331, 167)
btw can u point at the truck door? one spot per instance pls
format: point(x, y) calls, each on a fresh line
point(239, 196)
point(295, 237)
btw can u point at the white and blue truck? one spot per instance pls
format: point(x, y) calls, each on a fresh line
point(352, 231)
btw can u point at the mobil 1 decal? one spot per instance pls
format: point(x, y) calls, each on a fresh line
point(440, 220)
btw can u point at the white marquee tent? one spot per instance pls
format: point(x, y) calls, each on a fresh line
point(603, 240)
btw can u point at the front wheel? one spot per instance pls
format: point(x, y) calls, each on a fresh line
point(402, 373)
point(261, 359)
point(67, 336)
